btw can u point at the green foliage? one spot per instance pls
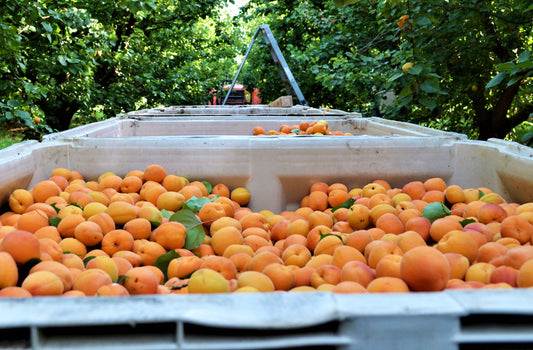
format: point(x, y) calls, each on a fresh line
point(522, 133)
point(90, 60)
point(472, 63)
point(435, 210)
point(195, 232)
point(164, 260)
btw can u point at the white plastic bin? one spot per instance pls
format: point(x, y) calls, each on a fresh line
point(278, 171)
point(239, 120)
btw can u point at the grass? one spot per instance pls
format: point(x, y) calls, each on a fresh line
point(9, 136)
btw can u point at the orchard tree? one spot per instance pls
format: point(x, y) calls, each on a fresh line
point(453, 65)
point(96, 58)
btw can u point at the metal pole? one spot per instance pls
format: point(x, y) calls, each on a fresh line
point(242, 64)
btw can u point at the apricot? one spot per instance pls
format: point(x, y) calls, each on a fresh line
point(222, 265)
point(240, 195)
point(112, 290)
point(117, 240)
point(141, 280)
point(326, 273)
point(387, 285)
point(281, 275)
point(518, 227)
point(255, 279)
point(480, 272)
point(58, 269)
point(21, 245)
point(208, 281)
point(14, 292)
point(9, 271)
point(44, 189)
point(121, 212)
point(348, 287)
point(170, 235)
point(43, 283)
point(106, 264)
point(425, 269)
point(456, 241)
point(224, 237)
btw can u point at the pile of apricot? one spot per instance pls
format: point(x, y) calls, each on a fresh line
point(317, 127)
point(122, 235)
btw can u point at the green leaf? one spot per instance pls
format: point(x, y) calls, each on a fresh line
point(166, 213)
point(428, 103)
point(47, 27)
point(62, 60)
point(466, 222)
point(121, 278)
point(76, 205)
point(186, 284)
point(422, 21)
point(87, 259)
point(25, 268)
point(195, 232)
point(395, 76)
point(54, 221)
point(524, 56)
point(13, 103)
point(435, 210)
point(324, 235)
point(526, 138)
point(195, 204)
point(430, 86)
point(416, 70)
point(347, 204)
point(496, 80)
point(342, 3)
point(208, 186)
point(406, 91)
point(164, 259)
point(53, 205)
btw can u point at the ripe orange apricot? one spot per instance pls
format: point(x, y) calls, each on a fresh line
point(210, 212)
point(171, 235)
point(154, 172)
point(387, 285)
point(141, 280)
point(458, 241)
point(9, 272)
point(415, 189)
point(390, 223)
point(318, 200)
point(443, 225)
point(44, 189)
point(183, 266)
point(518, 227)
point(43, 283)
point(425, 269)
point(21, 245)
point(220, 264)
point(116, 240)
point(33, 220)
point(88, 233)
point(14, 292)
point(20, 200)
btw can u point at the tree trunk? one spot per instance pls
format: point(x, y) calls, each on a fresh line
point(495, 123)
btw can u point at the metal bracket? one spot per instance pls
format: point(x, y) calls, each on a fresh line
point(284, 71)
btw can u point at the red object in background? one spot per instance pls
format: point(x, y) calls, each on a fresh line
point(256, 97)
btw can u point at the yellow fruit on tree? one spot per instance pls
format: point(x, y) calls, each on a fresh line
point(406, 67)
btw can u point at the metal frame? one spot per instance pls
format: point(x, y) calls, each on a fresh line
point(284, 71)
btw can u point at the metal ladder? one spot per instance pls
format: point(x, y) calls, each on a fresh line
point(286, 76)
